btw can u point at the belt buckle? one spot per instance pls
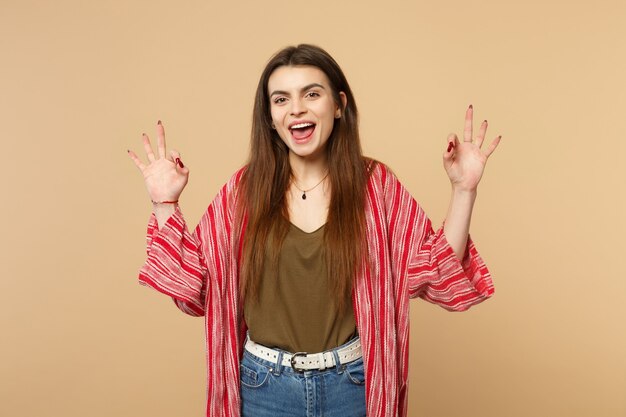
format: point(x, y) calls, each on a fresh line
point(293, 361)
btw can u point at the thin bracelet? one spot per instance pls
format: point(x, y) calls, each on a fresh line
point(164, 202)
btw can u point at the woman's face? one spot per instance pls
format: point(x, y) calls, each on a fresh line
point(302, 108)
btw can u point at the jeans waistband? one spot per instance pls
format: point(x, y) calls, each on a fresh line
point(302, 361)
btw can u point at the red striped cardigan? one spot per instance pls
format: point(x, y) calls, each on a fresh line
point(407, 259)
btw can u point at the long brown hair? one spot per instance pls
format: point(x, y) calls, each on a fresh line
point(268, 176)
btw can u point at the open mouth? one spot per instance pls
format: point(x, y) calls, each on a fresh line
point(302, 131)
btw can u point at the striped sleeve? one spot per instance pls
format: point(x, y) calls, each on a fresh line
point(433, 271)
point(174, 265)
point(437, 275)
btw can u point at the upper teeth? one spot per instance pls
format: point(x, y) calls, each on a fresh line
point(300, 125)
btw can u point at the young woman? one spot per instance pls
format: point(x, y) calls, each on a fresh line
point(304, 263)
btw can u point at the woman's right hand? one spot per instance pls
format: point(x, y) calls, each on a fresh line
point(165, 176)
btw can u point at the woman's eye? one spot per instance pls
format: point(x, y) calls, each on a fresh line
point(313, 94)
point(279, 100)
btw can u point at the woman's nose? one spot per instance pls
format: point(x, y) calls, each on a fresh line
point(297, 107)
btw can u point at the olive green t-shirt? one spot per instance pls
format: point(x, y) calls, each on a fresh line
point(295, 311)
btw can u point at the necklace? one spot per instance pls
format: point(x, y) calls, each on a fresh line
point(306, 191)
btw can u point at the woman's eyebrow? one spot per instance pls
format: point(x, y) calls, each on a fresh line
point(306, 87)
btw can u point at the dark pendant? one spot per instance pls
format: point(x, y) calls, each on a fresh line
point(303, 196)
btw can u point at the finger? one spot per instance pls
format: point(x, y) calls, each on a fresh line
point(452, 143)
point(481, 134)
point(148, 148)
point(493, 146)
point(161, 139)
point(178, 161)
point(175, 157)
point(136, 160)
point(467, 132)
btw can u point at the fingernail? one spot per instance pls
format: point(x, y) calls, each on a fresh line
point(471, 107)
point(128, 150)
point(179, 162)
point(450, 145)
point(159, 122)
point(485, 121)
point(143, 134)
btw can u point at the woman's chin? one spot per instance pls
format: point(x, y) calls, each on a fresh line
point(306, 154)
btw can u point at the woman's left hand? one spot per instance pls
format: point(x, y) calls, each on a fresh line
point(465, 161)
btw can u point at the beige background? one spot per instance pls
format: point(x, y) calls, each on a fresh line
point(80, 81)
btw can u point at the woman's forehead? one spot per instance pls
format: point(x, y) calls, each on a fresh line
point(295, 77)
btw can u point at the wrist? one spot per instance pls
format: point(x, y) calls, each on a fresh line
point(165, 202)
point(459, 190)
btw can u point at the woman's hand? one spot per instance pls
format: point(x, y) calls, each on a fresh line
point(465, 161)
point(165, 176)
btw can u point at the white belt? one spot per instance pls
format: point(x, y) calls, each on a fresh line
point(302, 361)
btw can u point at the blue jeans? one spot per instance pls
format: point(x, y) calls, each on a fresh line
point(270, 390)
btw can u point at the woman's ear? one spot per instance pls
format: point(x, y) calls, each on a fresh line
point(344, 103)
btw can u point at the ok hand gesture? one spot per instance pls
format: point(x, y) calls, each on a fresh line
point(165, 176)
point(465, 161)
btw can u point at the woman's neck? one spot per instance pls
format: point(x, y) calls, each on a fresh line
point(308, 171)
